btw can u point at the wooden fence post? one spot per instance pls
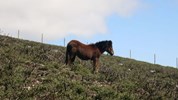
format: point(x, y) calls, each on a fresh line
point(18, 34)
point(176, 62)
point(42, 38)
point(154, 58)
point(64, 42)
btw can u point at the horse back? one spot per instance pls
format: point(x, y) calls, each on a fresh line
point(84, 51)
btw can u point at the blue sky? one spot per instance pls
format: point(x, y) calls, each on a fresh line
point(146, 27)
point(152, 30)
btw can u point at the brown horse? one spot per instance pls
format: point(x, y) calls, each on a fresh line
point(87, 52)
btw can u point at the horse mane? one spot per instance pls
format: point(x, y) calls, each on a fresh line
point(103, 44)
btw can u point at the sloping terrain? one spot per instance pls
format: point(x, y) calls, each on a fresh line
point(31, 70)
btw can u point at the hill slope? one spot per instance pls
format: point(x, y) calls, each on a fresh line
point(31, 70)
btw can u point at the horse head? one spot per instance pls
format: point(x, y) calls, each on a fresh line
point(109, 47)
point(105, 46)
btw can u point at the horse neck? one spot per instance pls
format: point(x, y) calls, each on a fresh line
point(101, 49)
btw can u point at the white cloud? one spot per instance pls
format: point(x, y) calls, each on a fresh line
point(58, 18)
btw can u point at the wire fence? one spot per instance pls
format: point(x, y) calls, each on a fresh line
point(64, 44)
point(19, 36)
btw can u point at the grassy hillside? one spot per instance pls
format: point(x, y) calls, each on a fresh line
point(31, 70)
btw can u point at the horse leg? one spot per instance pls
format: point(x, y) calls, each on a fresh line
point(73, 59)
point(95, 65)
point(68, 59)
point(72, 54)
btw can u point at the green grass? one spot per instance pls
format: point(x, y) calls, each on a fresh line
point(31, 70)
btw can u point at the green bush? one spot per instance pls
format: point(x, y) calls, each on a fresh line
point(31, 70)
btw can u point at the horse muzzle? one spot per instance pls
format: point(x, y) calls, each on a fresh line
point(112, 53)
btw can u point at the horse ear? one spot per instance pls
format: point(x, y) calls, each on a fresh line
point(110, 42)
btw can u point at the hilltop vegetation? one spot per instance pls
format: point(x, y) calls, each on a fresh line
point(31, 70)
